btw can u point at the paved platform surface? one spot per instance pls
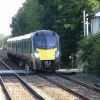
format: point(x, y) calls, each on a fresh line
point(2, 72)
point(77, 70)
point(65, 71)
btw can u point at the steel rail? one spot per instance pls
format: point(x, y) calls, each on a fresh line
point(7, 93)
point(64, 88)
point(25, 83)
point(80, 83)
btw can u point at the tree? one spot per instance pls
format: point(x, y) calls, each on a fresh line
point(61, 16)
point(27, 18)
point(65, 17)
point(3, 40)
point(90, 48)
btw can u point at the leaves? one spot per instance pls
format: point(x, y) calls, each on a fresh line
point(62, 16)
point(27, 18)
point(90, 47)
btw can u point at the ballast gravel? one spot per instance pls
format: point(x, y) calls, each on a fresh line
point(48, 90)
point(2, 95)
point(16, 89)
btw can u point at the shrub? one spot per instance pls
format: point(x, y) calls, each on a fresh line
point(90, 47)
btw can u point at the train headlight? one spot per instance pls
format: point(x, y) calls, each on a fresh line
point(36, 54)
point(57, 54)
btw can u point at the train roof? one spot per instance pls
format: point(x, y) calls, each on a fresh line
point(45, 32)
point(39, 32)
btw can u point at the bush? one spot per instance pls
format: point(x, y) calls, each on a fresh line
point(90, 47)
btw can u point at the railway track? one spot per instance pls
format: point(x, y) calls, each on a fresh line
point(2, 67)
point(41, 91)
point(80, 83)
point(4, 57)
point(49, 90)
point(79, 90)
point(3, 54)
point(64, 88)
point(27, 86)
point(16, 89)
point(6, 94)
point(86, 78)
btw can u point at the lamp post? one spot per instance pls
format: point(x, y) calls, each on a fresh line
point(84, 28)
point(85, 24)
point(72, 58)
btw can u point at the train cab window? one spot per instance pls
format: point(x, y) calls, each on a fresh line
point(45, 42)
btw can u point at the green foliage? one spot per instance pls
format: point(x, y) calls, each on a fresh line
point(65, 17)
point(61, 16)
point(87, 46)
point(90, 47)
point(3, 40)
point(27, 18)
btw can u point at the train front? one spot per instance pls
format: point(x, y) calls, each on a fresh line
point(46, 50)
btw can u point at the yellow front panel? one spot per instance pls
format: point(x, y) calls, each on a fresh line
point(46, 54)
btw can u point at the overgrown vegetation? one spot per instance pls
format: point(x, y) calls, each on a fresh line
point(3, 40)
point(90, 47)
point(61, 16)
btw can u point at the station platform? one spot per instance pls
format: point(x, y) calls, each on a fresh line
point(23, 72)
point(72, 70)
point(9, 72)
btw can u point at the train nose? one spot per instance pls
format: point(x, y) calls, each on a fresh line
point(47, 54)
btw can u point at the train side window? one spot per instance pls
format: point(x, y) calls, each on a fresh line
point(25, 46)
point(28, 45)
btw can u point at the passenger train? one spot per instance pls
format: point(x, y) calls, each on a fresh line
point(39, 50)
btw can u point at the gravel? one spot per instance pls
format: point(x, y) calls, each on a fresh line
point(78, 88)
point(48, 90)
point(16, 89)
point(3, 67)
point(2, 95)
point(87, 78)
point(51, 92)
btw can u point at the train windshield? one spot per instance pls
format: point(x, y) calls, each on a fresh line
point(45, 42)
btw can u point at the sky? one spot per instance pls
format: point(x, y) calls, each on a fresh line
point(8, 8)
